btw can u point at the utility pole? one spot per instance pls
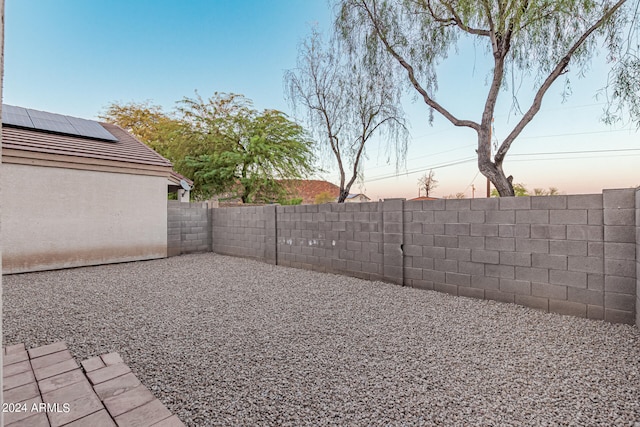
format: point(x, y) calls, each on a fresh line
point(488, 188)
point(473, 191)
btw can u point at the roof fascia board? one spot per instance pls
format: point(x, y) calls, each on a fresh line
point(10, 156)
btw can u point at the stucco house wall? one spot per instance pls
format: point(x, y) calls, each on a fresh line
point(70, 201)
point(59, 218)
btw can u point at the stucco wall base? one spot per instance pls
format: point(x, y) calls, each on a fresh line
point(15, 263)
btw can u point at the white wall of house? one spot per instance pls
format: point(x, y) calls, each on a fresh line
point(57, 218)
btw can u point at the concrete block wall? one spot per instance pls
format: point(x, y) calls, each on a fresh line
point(247, 232)
point(638, 257)
point(620, 255)
point(576, 254)
point(335, 238)
point(564, 254)
point(393, 240)
point(188, 228)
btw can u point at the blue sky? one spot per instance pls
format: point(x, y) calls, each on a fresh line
point(75, 57)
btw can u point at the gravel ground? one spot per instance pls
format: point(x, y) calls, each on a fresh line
point(229, 341)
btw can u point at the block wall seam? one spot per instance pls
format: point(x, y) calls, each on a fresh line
point(392, 228)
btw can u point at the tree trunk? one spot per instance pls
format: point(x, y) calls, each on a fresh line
point(343, 195)
point(492, 170)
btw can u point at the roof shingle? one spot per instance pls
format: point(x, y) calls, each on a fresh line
point(127, 149)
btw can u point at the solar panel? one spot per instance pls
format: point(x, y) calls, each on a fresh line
point(90, 128)
point(43, 114)
point(16, 116)
point(58, 123)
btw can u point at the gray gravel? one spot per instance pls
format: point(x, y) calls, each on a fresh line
point(228, 341)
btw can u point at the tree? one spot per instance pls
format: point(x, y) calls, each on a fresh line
point(222, 144)
point(623, 88)
point(520, 190)
point(522, 36)
point(345, 107)
point(552, 191)
point(427, 183)
point(150, 124)
point(171, 135)
point(324, 197)
point(455, 196)
point(246, 152)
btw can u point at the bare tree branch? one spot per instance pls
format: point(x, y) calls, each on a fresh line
point(557, 72)
point(344, 111)
point(412, 77)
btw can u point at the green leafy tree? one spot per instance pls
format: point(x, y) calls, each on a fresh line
point(246, 152)
point(222, 144)
point(290, 202)
point(324, 197)
point(345, 106)
point(151, 125)
point(552, 191)
point(543, 38)
point(519, 190)
point(623, 89)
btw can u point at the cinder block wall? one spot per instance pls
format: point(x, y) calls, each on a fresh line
point(188, 228)
point(337, 238)
point(245, 232)
point(574, 254)
point(638, 257)
point(620, 255)
point(563, 254)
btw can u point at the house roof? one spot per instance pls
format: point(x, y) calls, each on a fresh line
point(423, 198)
point(308, 189)
point(175, 177)
point(353, 196)
point(126, 149)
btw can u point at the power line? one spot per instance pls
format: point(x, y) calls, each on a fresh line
point(467, 160)
point(574, 133)
point(429, 155)
point(576, 158)
point(440, 166)
point(542, 111)
point(613, 150)
point(474, 178)
point(523, 137)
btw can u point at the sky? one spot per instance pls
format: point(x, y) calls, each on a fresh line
point(75, 57)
